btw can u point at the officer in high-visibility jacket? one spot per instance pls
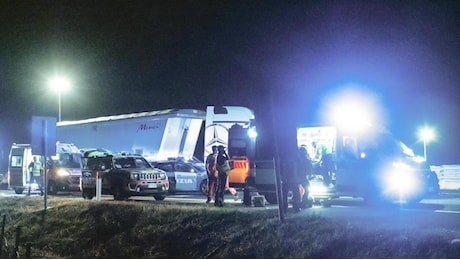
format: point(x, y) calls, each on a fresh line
point(35, 171)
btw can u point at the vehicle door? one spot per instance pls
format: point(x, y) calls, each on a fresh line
point(348, 172)
point(186, 177)
point(18, 162)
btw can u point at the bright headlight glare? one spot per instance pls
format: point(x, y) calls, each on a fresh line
point(402, 166)
point(62, 172)
point(252, 133)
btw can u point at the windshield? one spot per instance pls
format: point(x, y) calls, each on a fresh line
point(68, 160)
point(199, 166)
point(383, 145)
point(138, 163)
point(97, 163)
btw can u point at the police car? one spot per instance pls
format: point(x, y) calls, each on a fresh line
point(184, 175)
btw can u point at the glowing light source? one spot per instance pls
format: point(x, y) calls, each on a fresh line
point(252, 133)
point(59, 84)
point(426, 134)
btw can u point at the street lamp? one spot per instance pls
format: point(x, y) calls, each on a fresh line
point(59, 84)
point(426, 134)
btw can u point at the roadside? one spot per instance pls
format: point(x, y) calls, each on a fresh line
point(4, 181)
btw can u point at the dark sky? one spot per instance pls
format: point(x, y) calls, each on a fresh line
point(134, 56)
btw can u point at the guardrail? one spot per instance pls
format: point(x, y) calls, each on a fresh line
point(448, 175)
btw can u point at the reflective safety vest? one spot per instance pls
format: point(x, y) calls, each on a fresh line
point(36, 168)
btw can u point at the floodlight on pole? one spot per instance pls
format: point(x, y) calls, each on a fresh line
point(59, 84)
point(426, 134)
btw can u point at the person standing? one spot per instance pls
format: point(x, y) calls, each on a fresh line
point(211, 170)
point(304, 170)
point(35, 171)
point(290, 182)
point(223, 168)
point(323, 159)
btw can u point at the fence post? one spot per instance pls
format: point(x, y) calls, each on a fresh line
point(16, 243)
point(2, 235)
point(28, 250)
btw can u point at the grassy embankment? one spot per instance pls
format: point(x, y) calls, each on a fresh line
point(86, 229)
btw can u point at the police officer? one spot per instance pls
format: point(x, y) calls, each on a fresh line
point(212, 173)
point(35, 171)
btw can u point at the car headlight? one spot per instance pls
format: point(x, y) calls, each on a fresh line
point(86, 174)
point(400, 166)
point(62, 172)
point(135, 176)
point(401, 180)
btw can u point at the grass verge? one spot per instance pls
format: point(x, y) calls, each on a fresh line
point(86, 229)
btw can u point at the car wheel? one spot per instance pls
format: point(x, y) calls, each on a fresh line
point(159, 197)
point(52, 188)
point(118, 190)
point(204, 187)
point(88, 194)
point(19, 190)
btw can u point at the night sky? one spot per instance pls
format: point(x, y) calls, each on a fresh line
point(283, 56)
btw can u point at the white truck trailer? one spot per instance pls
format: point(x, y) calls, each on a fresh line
point(156, 135)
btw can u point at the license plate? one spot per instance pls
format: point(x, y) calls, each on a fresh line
point(151, 185)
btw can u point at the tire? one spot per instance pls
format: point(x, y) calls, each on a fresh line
point(52, 188)
point(19, 190)
point(118, 190)
point(204, 187)
point(159, 197)
point(88, 194)
point(271, 198)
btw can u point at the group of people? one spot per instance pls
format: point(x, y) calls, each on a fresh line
point(295, 174)
point(218, 168)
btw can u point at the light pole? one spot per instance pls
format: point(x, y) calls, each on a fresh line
point(426, 134)
point(59, 84)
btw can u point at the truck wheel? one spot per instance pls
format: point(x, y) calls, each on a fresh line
point(52, 188)
point(19, 190)
point(204, 187)
point(159, 197)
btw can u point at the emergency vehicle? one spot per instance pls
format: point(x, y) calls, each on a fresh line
point(63, 168)
point(369, 163)
point(122, 175)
